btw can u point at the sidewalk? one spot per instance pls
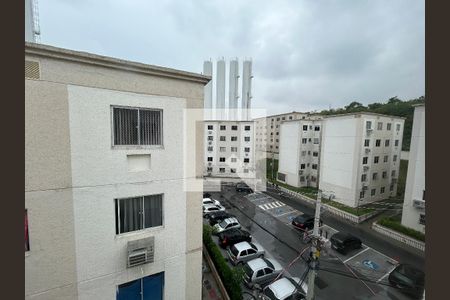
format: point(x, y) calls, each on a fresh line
point(209, 285)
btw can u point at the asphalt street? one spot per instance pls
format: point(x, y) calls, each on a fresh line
point(267, 218)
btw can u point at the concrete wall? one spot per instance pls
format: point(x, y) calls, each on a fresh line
point(288, 163)
point(415, 180)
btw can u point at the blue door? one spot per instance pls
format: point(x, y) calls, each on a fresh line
point(130, 290)
point(146, 288)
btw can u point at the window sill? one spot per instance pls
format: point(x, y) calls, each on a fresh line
point(137, 147)
point(139, 232)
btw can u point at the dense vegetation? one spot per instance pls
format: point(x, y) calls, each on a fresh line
point(393, 106)
point(395, 224)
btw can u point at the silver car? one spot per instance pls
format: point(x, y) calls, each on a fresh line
point(245, 251)
point(261, 271)
point(285, 288)
point(225, 225)
point(211, 208)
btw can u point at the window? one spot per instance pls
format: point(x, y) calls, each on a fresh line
point(391, 188)
point(246, 160)
point(422, 219)
point(313, 178)
point(137, 126)
point(210, 148)
point(283, 118)
point(209, 169)
point(277, 140)
point(363, 177)
point(380, 126)
point(375, 159)
point(316, 140)
point(366, 143)
point(396, 143)
point(305, 127)
point(397, 127)
point(222, 138)
point(377, 143)
point(221, 159)
point(281, 176)
point(315, 154)
point(309, 152)
point(302, 166)
point(372, 192)
point(304, 141)
point(384, 175)
point(233, 170)
point(278, 133)
point(382, 190)
point(374, 176)
point(369, 125)
point(386, 158)
point(309, 140)
point(278, 119)
point(362, 194)
point(210, 127)
point(393, 173)
point(233, 159)
point(210, 138)
point(394, 158)
point(210, 158)
point(386, 143)
point(27, 238)
point(247, 139)
point(234, 138)
point(302, 178)
point(365, 160)
point(138, 213)
point(247, 149)
point(221, 170)
point(271, 133)
point(223, 127)
point(310, 127)
point(314, 166)
point(234, 127)
point(316, 128)
point(222, 149)
point(233, 149)
point(290, 117)
point(277, 126)
point(247, 128)
point(388, 126)
point(149, 287)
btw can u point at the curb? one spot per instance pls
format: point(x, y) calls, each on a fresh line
point(215, 274)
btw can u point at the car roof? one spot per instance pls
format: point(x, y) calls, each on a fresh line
point(282, 288)
point(257, 263)
point(231, 220)
point(207, 199)
point(342, 236)
point(242, 246)
point(209, 205)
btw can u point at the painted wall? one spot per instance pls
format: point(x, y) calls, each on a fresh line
point(289, 152)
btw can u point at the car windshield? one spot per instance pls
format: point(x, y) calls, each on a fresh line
point(223, 224)
point(234, 250)
point(301, 219)
point(248, 271)
point(411, 273)
point(253, 246)
point(269, 293)
point(269, 263)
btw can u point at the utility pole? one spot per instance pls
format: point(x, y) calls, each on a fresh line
point(315, 252)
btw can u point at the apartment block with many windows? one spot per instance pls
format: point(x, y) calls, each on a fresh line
point(299, 152)
point(360, 157)
point(107, 215)
point(229, 149)
point(414, 203)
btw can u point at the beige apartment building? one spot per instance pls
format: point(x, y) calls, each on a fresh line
point(107, 159)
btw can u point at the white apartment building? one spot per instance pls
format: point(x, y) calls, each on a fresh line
point(414, 204)
point(106, 207)
point(360, 157)
point(229, 149)
point(267, 131)
point(299, 152)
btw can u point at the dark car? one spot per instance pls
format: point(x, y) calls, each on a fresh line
point(344, 242)
point(304, 222)
point(233, 236)
point(242, 187)
point(206, 195)
point(218, 217)
point(409, 279)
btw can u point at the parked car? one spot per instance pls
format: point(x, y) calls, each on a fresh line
point(210, 208)
point(304, 222)
point(409, 279)
point(206, 195)
point(344, 242)
point(225, 225)
point(242, 187)
point(217, 217)
point(210, 201)
point(261, 271)
point(285, 289)
point(244, 251)
point(233, 236)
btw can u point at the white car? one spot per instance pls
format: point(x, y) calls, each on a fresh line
point(285, 288)
point(225, 225)
point(211, 208)
point(261, 271)
point(210, 201)
point(244, 251)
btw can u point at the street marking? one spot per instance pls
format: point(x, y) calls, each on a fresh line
point(288, 212)
point(345, 261)
point(385, 275)
point(281, 203)
point(389, 258)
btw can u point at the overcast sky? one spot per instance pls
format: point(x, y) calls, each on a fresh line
point(307, 55)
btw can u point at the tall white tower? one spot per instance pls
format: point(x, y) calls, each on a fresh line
point(233, 89)
point(220, 90)
point(207, 70)
point(246, 88)
point(32, 30)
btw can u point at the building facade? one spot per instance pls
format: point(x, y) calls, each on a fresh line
point(299, 152)
point(360, 157)
point(107, 215)
point(229, 149)
point(414, 203)
point(267, 131)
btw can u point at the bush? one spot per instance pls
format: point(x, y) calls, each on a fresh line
point(394, 224)
point(231, 278)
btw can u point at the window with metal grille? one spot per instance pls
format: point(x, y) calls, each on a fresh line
point(382, 189)
point(234, 127)
point(422, 219)
point(138, 213)
point(222, 170)
point(316, 140)
point(365, 160)
point(397, 127)
point(223, 127)
point(210, 148)
point(27, 238)
point(316, 128)
point(210, 138)
point(210, 127)
point(314, 166)
point(377, 143)
point(222, 159)
point(137, 126)
point(210, 158)
point(363, 177)
point(246, 160)
point(302, 166)
point(246, 149)
point(380, 126)
point(366, 143)
point(375, 159)
point(233, 149)
point(305, 127)
point(396, 143)
point(222, 139)
point(315, 154)
point(372, 192)
point(234, 138)
point(386, 143)
point(386, 158)
point(222, 149)
point(388, 126)
point(247, 128)
point(247, 139)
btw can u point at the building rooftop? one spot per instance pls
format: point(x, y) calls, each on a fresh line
point(357, 114)
point(110, 62)
point(230, 121)
point(283, 114)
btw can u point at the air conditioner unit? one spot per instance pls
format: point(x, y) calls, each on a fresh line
point(140, 252)
point(210, 132)
point(419, 203)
